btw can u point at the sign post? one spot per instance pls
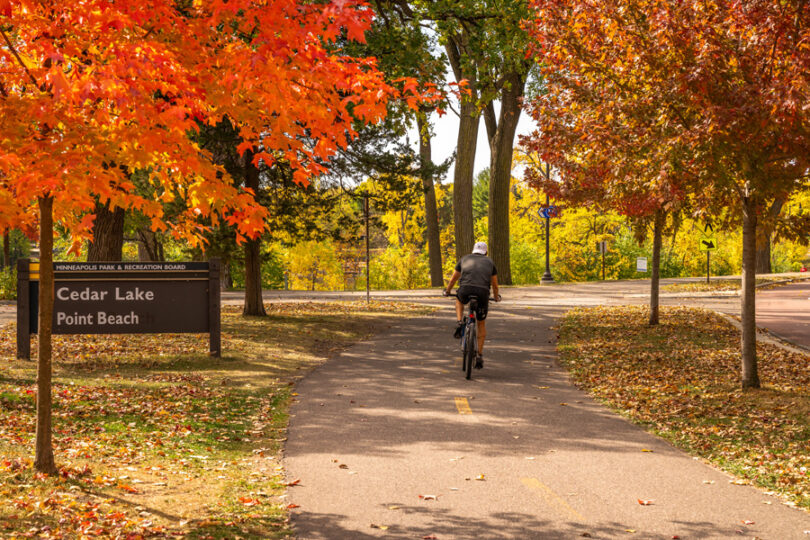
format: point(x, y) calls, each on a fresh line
point(123, 298)
point(708, 243)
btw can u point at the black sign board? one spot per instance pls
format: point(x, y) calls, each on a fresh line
point(122, 298)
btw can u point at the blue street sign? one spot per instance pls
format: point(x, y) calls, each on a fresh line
point(548, 211)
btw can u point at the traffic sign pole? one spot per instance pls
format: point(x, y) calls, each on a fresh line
point(708, 259)
point(547, 277)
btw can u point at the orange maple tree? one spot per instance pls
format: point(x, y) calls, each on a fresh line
point(92, 89)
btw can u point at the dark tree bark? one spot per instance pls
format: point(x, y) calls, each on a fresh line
point(465, 151)
point(431, 209)
point(6, 250)
point(764, 234)
point(254, 304)
point(750, 377)
point(763, 255)
point(108, 234)
point(150, 248)
point(655, 278)
point(501, 135)
point(44, 461)
point(227, 277)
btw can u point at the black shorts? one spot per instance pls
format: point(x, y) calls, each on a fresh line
point(482, 295)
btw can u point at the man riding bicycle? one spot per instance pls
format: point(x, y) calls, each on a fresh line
point(475, 274)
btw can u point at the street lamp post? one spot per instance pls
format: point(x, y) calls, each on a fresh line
point(547, 277)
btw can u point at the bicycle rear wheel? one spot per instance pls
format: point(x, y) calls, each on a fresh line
point(470, 349)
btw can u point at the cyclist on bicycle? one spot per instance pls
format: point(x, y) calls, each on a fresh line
point(475, 274)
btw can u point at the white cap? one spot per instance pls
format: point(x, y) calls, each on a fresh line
point(480, 248)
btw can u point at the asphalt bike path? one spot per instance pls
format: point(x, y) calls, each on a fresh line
point(388, 440)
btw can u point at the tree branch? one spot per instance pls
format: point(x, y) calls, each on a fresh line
point(17, 56)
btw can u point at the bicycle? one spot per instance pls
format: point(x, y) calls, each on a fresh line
point(469, 337)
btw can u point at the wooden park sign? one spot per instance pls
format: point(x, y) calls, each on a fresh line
point(123, 298)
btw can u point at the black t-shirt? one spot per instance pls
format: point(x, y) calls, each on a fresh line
point(476, 271)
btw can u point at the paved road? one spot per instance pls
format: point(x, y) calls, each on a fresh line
point(392, 419)
point(785, 311)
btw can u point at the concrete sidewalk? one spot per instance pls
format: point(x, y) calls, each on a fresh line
point(517, 452)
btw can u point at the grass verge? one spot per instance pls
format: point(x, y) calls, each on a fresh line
point(154, 438)
point(720, 285)
point(681, 380)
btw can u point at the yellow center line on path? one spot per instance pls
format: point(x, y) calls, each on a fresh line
point(552, 498)
point(463, 405)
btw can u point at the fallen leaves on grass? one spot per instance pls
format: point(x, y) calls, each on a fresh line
point(152, 421)
point(681, 379)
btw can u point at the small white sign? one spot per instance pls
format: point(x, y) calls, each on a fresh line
point(641, 264)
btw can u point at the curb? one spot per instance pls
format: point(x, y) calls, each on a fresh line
point(767, 336)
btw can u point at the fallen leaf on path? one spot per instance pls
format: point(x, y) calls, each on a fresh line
point(480, 477)
point(343, 466)
point(708, 481)
point(430, 537)
point(393, 507)
point(748, 522)
point(646, 450)
point(381, 527)
point(644, 502)
point(542, 387)
point(630, 530)
point(293, 483)
point(428, 497)
point(564, 404)
point(739, 482)
point(291, 506)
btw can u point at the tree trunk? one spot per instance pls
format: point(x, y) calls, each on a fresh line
point(465, 151)
point(501, 144)
point(6, 250)
point(763, 255)
point(658, 227)
point(254, 304)
point(150, 248)
point(750, 377)
point(226, 282)
point(431, 209)
point(44, 461)
point(764, 234)
point(108, 234)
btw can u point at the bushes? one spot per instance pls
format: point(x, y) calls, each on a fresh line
point(398, 268)
point(8, 284)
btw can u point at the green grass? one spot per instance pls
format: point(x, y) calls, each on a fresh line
point(681, 380)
